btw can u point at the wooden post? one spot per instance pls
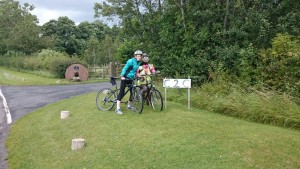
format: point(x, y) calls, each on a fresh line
point(64, 114)
point(112, 67)
point(165, 97)
point(78, 143)
point(189, 97)
point(117, 70)
point(103, 76)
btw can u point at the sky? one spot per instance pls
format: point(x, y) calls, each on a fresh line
point(76, 10)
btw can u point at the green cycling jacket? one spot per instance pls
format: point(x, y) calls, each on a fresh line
point(129, 70)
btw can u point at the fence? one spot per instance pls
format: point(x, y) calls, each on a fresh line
point(105, 71)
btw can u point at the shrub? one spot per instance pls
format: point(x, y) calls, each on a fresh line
point(59, 65)
point(236, 100)
point(32, 63)
point(47, 60)
point(280, 64)
point(46, 56)
point(14, 61)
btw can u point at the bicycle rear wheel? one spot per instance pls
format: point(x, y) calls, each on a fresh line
point(106, 99)
point(137, 101)
point(156, 100)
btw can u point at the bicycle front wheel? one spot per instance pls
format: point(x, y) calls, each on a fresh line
point(156, 100)
point(106, 99)
point(137, 101)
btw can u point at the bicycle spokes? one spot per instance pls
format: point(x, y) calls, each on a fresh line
point(137, 102)
point(156, 100)
point(106, 99)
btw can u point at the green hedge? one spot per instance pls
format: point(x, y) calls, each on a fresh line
point(47, 60)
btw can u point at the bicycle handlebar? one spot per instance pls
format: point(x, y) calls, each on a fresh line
point(152, 74)
point(113, 80)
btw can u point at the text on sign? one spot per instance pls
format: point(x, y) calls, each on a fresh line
point(177, 83)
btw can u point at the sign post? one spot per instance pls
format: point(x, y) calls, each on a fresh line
point(177, 83)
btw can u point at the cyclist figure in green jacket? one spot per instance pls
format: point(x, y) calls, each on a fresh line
point(127, 77)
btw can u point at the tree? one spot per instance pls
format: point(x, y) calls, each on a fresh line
point(198, 38)
point(96, 29)
point(26, 37)
point(73, 39)
point(107, 53)
point(133, 14)
point(18, 28)
point(92, 50)
point(64, 31)
point(139, 23)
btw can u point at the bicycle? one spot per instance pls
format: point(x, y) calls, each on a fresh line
point(153, 97)
point(107, 97)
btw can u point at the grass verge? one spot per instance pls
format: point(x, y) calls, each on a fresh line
point(12, 77)
point(267, 107)
point(174, 138)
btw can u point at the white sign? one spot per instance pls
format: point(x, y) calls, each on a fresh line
point(177, 83)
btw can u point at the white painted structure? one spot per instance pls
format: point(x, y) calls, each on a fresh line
point(178, 83)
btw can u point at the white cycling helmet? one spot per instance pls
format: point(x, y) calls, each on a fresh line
point(138, 52)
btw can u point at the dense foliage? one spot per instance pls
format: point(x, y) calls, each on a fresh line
point(204, 38)
point(19, 30)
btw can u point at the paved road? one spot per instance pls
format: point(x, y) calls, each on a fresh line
point(25, 99)
point(22, 100)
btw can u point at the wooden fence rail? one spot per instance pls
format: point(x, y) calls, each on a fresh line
point(105, 71)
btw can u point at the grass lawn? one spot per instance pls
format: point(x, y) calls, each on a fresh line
point(174, 138)
point(11, 77)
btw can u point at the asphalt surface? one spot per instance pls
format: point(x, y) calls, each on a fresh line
point(22, 100)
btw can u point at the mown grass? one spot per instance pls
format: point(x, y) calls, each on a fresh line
point(12, 77)
point(174, 138)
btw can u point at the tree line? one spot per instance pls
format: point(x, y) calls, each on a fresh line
point(21, 33)
point(254, 41)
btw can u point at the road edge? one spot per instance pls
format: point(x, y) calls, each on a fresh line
point(6, 108)
point(4, 130)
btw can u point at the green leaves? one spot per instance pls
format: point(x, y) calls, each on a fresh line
point(18, 29)
point(280, 64)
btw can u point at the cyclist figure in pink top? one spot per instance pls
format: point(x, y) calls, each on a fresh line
point(143, 72)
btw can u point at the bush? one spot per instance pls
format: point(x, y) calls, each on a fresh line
point(12, 61)
point(59, 65)
point(32, 63)
point(46, 56)
point(47, 60)
point(280, 64)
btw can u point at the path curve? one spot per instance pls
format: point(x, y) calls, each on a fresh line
point(22, 100)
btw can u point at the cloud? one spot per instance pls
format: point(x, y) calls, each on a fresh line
point(45, 15)
point(76, 10)
point(82, 5)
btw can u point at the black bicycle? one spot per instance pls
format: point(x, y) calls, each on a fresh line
point(107, 98)
point(153, 97)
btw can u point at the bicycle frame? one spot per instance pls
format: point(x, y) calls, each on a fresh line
point(151, 89)
point(107, 97)
point(150, 85)
point(130, 87)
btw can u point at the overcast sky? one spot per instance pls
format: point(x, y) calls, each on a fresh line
point(76, 10)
